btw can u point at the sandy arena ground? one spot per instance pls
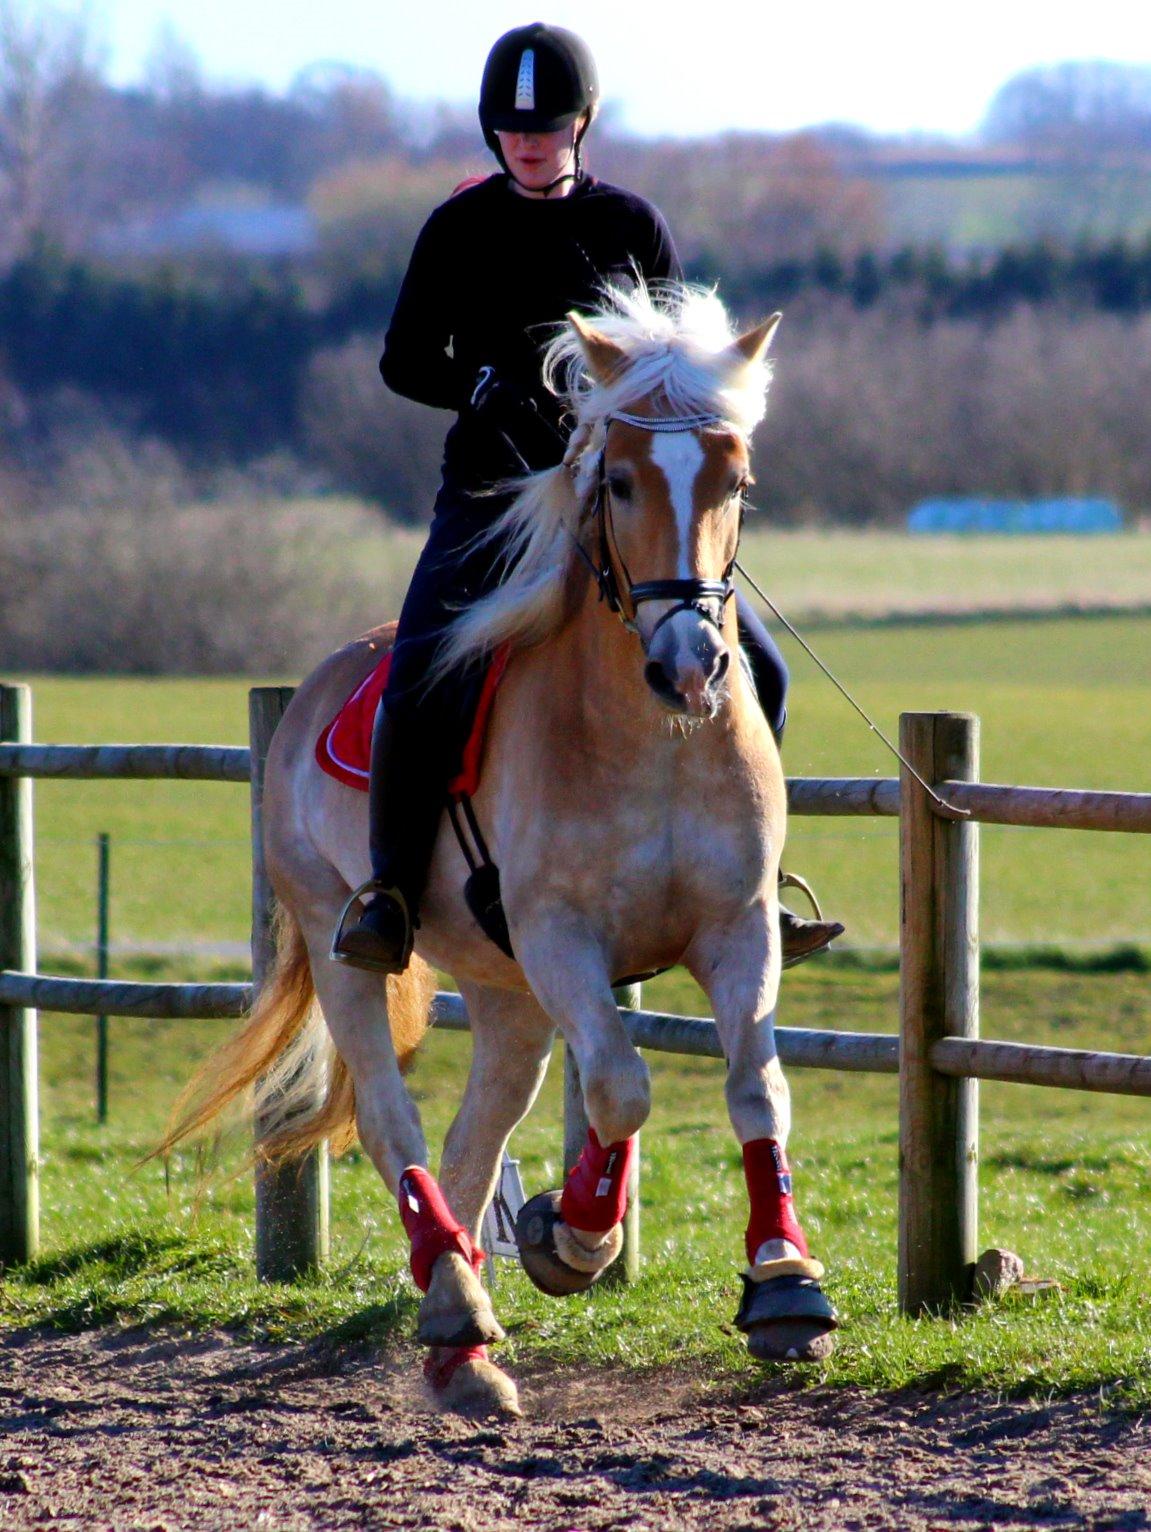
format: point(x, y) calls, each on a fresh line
point(148, 1430)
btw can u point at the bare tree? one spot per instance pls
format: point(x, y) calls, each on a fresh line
point(50, 94)
point(368, 439)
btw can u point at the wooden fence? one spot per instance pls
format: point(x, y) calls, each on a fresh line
point(937, 1052)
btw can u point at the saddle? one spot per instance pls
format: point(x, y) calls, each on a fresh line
point(344, 749)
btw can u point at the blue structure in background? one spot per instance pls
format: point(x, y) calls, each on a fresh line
point(1016, 516)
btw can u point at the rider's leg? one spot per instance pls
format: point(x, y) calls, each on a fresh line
point(801, 938)
point(417, 740)
point(406, 792)
point(767, 665)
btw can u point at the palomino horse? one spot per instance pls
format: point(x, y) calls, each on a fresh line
point(633, 799)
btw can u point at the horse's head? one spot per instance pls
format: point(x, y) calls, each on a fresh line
point(668, 505)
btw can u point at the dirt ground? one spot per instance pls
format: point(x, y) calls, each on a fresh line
point(139, 1429)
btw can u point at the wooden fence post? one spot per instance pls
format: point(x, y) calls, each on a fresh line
point(626, 1268)
point(292, 1201)
point(939, 997)
point(19, 1120)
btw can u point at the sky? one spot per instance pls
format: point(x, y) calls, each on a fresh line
point(892, 66)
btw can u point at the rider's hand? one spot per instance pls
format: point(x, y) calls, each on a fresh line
point(491, 396)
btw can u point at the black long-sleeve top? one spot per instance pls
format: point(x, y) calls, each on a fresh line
point(490, 279)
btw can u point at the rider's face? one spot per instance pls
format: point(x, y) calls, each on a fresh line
point(535, 160)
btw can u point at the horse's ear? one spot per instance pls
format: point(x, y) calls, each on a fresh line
point(752, 347)
point(603, 357)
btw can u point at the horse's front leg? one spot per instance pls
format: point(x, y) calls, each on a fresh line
point(568, 1239)
point(784, 1312)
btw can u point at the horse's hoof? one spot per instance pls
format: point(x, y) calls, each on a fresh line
point(456, 1311)
point(463, 1381)
point(787, 1319)
point(790, 1341)
point(536, 1238)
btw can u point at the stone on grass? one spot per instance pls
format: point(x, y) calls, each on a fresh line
point(995, 1272)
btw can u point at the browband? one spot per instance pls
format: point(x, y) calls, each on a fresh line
point(659, 423)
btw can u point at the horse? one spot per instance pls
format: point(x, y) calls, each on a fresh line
point(633, 800)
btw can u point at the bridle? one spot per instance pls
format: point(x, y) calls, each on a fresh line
point(616, 587)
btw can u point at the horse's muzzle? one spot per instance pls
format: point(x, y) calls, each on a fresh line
point(688, 674)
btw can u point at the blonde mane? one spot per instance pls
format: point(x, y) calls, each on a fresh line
point(675, 338)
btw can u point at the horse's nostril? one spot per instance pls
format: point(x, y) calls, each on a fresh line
point(654, 674)
point(723, 660)
point(659, 681)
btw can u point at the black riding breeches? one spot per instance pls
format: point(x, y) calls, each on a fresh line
point(429, 721)
point(768, 666)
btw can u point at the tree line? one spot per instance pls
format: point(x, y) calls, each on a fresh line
point(130, 379)
point(218, 369)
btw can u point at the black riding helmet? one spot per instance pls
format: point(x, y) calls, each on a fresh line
point(537, 79)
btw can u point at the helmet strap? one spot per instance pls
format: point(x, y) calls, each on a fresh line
point(539, 193)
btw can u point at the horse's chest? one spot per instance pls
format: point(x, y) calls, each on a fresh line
point(638, 856)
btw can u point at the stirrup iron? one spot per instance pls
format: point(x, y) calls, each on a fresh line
point(371, 886)
point(793, 880)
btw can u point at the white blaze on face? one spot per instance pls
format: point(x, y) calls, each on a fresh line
point(679, 455)
point(687, 650)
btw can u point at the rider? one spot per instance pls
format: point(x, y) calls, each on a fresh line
point(494, 271)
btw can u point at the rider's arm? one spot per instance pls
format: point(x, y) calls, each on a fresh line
point(662, 262)
point(416, 361)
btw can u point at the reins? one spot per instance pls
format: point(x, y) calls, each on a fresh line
point(945, 809)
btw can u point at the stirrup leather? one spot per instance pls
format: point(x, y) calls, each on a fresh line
point(793, 880)
point(371, 886)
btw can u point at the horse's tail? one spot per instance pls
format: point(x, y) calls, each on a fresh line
point(306, 1094)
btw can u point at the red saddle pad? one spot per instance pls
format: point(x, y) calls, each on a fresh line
point(344, 748)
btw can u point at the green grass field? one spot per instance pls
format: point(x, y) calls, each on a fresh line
point(988, 211)
point(813, 574)
point(1065, 1176)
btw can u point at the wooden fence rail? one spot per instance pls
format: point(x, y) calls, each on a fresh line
point(187, 763)
point(937, 1052)
point(1116, 1074)
point(117, 997)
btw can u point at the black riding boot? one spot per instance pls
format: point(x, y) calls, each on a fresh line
point(405, 801)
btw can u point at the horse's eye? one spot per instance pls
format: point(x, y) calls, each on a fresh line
point(619, 486)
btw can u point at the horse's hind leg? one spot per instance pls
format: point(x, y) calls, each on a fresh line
point(784, 1312)
point(510, 1041)
point(511, 1044)
point(355, 1009)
